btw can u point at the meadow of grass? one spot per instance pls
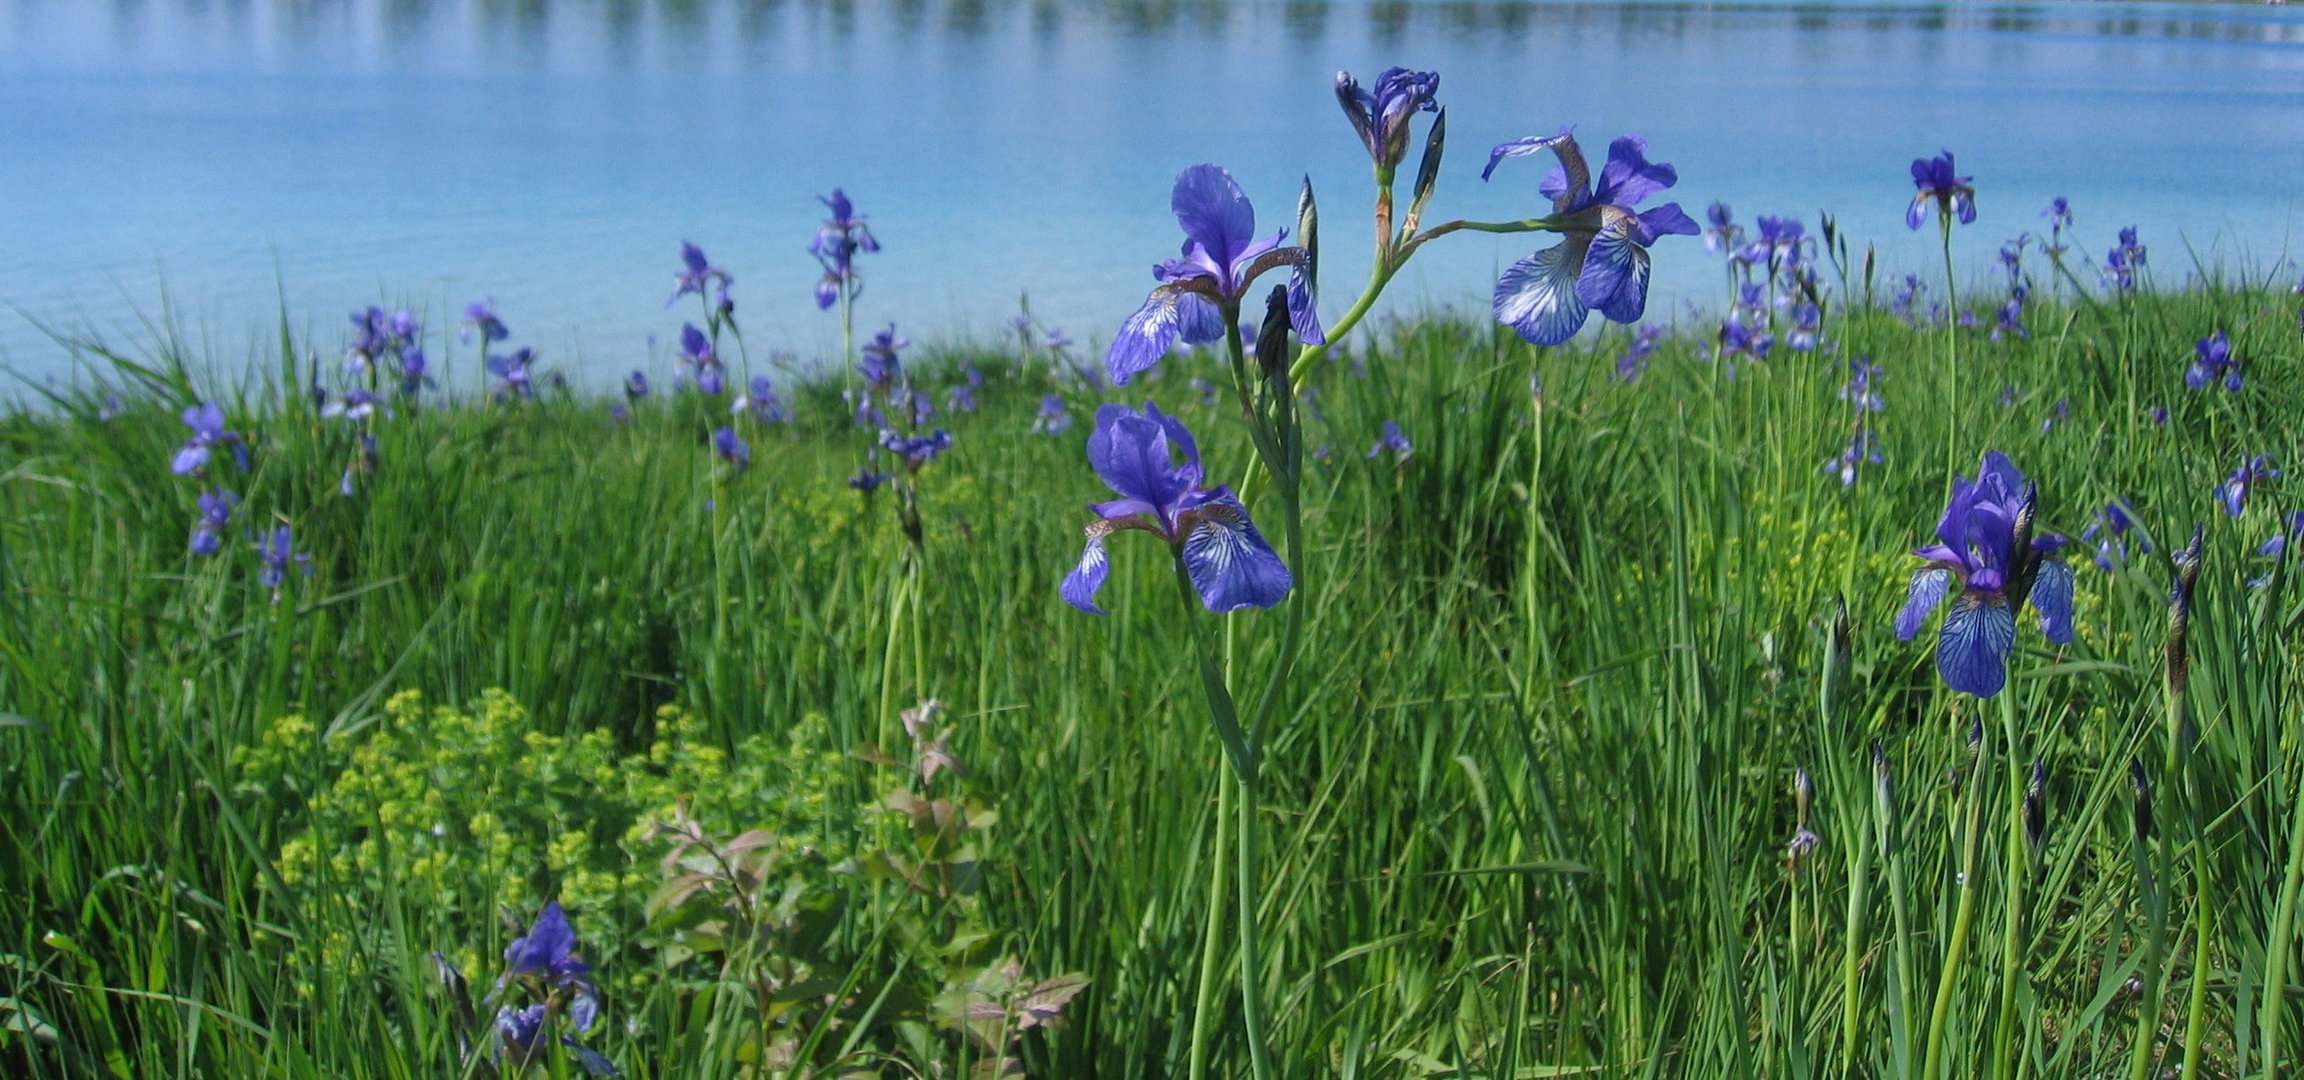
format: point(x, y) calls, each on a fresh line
point(1528, 806)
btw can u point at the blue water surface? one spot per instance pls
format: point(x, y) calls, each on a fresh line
point(218, 162)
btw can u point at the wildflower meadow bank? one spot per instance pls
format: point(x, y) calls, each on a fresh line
point(1886, 673)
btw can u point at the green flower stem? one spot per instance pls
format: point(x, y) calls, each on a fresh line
point(1956, 950)
point(2019, 872)
point(2148, 1002)
point(2283, 930)
point(1224, 714)
point(1212, 934)
point(1951, 350)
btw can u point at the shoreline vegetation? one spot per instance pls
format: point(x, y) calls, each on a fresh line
point(1594, 780)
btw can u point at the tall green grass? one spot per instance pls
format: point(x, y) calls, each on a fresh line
point(1528, 805)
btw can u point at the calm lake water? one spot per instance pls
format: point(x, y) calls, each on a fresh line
point(234, 155)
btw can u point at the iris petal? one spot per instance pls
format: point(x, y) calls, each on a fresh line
point(2052, 598)
point(1537, 295)
point(1615, 276)
point(1228, 560)
point(1214, 211)
point(1146, 336)
point(1081, 584)
point(1131, 454)
point(1928, 589)
point(1972, 649)
point(1629, 176)
point(1304, 306)
point(1198, 320)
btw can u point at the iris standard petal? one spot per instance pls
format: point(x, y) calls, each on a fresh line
point(1228, 560)
point(1080, 586)
point(1615, 275)
point(1629, 176)
point(1537, 295)
point(1928, 589)
point(1178, 437)
point(1147, 335)
point(547, 945)
point(1214, 211)
point(2052, 598)
point(1130, 453)
point(1972, 649)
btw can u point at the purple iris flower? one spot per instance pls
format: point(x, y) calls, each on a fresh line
point(512, 375)
point(1985, 544)
point(547, 954)
point(1054, 418)
point(868, 477)
point(917, 450)
point(111, 408)
point(1952, 196)
point(2160, 415)
point(1199, 293)
point(636, 386)
point(2213, 360)
point(215, 513)
point(2008, 320)
point(836, 245)
point(1807, 330)
point(1381, 116)
point(2124, 261)
point(1634, 362)
point(2233, 492)
point(1781, 241)
point(1724, 235)
point(415, 371)
point(1739, 338)
point(2292, 527)
point(207, 423)
point(695, 273)
point(1393, 441)
point(880, 365)
point(2059, 213)
point(1602, 260)
point(2109, 532)
point(728, 447)
point(1862, 449)
point(480, 315)
point(2057, 415)
point(761, 401)
point(1860, 393)
point(1207, 529)
point(356, 404)
point(960, 399)
point(696, 352)
point(277, 551)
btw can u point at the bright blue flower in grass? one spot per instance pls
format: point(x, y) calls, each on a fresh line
point(415, 371)
point(2212, 362)
point(1634, 362)
point(1222, 257)
point(547, 956)
point(215, 513)
point(1860, 393)
point(2124, 262)
point(2293, 526)
point(696, 353)
point(960, 399)
point(2008, 320)
point(1393, 441)
point(277, 550)
point(1054, 418)
point(1986, 546)
point(512, 374)
point(2109, 532)
point(1724, 235)
point(207, 423)
point(730, 447)
point(2059, 213)
point(1952, 196)
point(1601, 261)
point(635, 386)
point(1862, 449)
point(868, 477)
point(695, 273)
point(356, 404)
point(1381, 115)
point(1226, 559)
point(480, 317)
point(760, 400)
point(880, 364)
point(836, 246)
point(2233, 492)
point(916, 450)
